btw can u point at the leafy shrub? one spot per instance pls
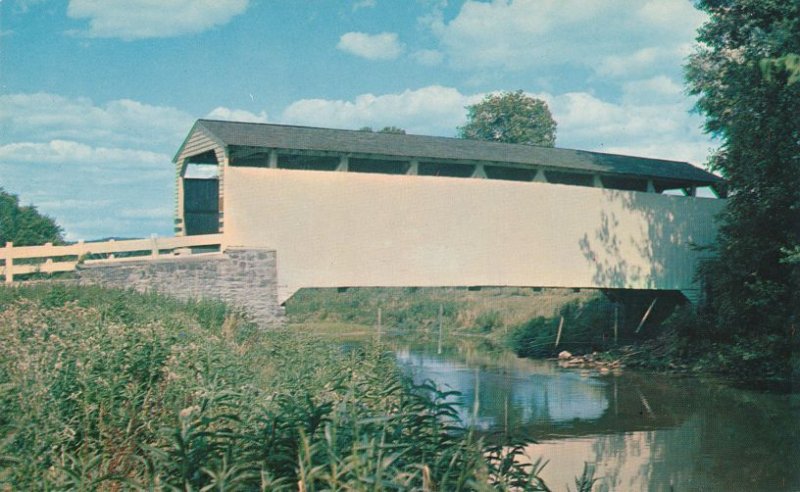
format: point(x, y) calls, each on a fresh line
point(585, 327)
point(110, 389)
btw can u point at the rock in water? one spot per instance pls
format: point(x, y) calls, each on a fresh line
point(564, 355)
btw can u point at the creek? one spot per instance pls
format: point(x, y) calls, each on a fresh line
point(640, 431)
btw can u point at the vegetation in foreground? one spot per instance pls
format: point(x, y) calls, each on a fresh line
point(106, 389)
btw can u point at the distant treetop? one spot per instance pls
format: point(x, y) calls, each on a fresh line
point(385, 129)
point(510, 117)
point(24, 225)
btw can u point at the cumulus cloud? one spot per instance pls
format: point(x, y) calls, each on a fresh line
point(383, 46)
point(222, 113)
point(640, 124)
point(65, 151)
point(82, 163)
point(521, 34)
point(121, 122)
point(432, 110)
point(643, 61)
point(651, 119)
point(140, 19)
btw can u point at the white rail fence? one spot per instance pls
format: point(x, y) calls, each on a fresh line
point(51, 259)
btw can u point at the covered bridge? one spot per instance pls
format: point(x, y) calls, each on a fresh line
point(346, 208)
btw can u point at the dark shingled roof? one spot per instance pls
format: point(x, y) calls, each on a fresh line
point(264, 135)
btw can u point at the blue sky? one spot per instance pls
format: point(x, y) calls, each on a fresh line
point(96, 96)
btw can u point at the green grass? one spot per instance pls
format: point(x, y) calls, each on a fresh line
point(111, 390)
point(490, 311)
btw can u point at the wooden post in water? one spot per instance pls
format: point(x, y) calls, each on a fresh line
point(505, 416)
point(441, 315)
point(560, 326)
point(616, 322)
point(646, 315)
point(476, 405)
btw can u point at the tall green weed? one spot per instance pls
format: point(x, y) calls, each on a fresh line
point(109, 390)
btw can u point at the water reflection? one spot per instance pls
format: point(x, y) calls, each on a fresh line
point(644, 432)
point(511, 396)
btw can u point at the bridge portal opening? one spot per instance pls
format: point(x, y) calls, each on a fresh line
point(201, 208)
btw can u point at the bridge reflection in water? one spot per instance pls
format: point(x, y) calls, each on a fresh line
point(643, 431)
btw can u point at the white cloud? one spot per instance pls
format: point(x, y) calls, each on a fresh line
point(651, 119)
point(658, 88)
point(364, 4)
point(64, 151)
point(641, 124)
point(83, 163)
point(121, 122)
point(140, 19)
point(521, 34)
point(432, 110)
point(652, 59)
point(222, 113)
point(428, 57)
point(383, 46)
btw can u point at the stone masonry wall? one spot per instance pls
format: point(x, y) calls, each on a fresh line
point(245, 278)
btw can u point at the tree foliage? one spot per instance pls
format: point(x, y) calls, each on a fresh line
point(510, 117)
point(24, 225)
point(745, 74)
point(386, 129)
point(392, 129)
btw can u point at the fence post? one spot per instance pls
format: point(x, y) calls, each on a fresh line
point(9, 262)
point(111, 255)
point(154, 245)
point(48, 263)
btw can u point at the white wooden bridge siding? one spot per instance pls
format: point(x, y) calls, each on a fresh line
point(351, 229)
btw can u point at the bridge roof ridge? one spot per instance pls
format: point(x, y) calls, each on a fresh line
point(282, 136)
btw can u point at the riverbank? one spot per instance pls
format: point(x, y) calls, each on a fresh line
point(109, 390)
point(540, 323)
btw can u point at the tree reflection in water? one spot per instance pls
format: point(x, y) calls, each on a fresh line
point(643, 431)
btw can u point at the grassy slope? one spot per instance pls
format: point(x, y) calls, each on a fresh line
point(526, 320)
point(106, 389)
point(486, 310)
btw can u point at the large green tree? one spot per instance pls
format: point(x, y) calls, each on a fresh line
point(24, 225)
point(510, 117)
point(744, 71)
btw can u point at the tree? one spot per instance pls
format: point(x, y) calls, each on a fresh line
point(510, 117)
point(745, 74)
point(25, 226)
point(386, 129)
point(392, 129)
